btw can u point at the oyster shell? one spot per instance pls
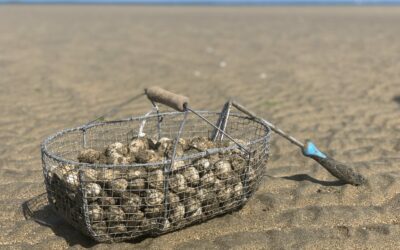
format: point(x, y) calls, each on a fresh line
point(95, 212)
point(177, 183)
point(89, 156)
point(223, 169)
point(156, 179)
point(114, 214)
point(192, 176)
point(138, 144)
point(131, 204)
point(153, 197)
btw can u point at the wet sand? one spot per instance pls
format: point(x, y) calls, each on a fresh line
point(326, 73)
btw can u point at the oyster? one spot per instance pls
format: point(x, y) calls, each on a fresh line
point(89, 156)
point(177, 183)
point(115, 214)
point(153, 197)
point(156, 179)
point(138, 144)
point(222, 169)
point(131, 204)
point(192, 176)
point(95, 212)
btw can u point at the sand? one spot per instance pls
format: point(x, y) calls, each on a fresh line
point(326, 73)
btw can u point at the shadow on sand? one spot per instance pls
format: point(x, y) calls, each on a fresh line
point(39, 210)
point(306, 177)
point(397, 99)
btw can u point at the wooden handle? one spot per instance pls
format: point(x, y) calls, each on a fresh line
point(157, 94)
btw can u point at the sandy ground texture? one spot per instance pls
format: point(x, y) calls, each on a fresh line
point(331, 74)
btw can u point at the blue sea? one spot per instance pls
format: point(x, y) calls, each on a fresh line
point(214, 2)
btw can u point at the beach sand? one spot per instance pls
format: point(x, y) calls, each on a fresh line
point(326, 73)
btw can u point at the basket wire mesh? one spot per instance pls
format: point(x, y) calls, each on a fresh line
point(124, 199)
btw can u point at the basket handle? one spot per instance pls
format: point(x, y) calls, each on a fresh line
point(172, 100)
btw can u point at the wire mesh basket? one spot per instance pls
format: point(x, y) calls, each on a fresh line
point(153, 174)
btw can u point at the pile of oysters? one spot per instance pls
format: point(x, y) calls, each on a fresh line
point(159, 196)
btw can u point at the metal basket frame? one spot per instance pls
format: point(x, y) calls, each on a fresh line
point(86, 226)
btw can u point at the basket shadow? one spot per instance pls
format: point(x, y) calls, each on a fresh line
point(39, 210)
point(397, 99)
point(306, 177)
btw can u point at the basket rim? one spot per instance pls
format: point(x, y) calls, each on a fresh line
point(55, 157)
